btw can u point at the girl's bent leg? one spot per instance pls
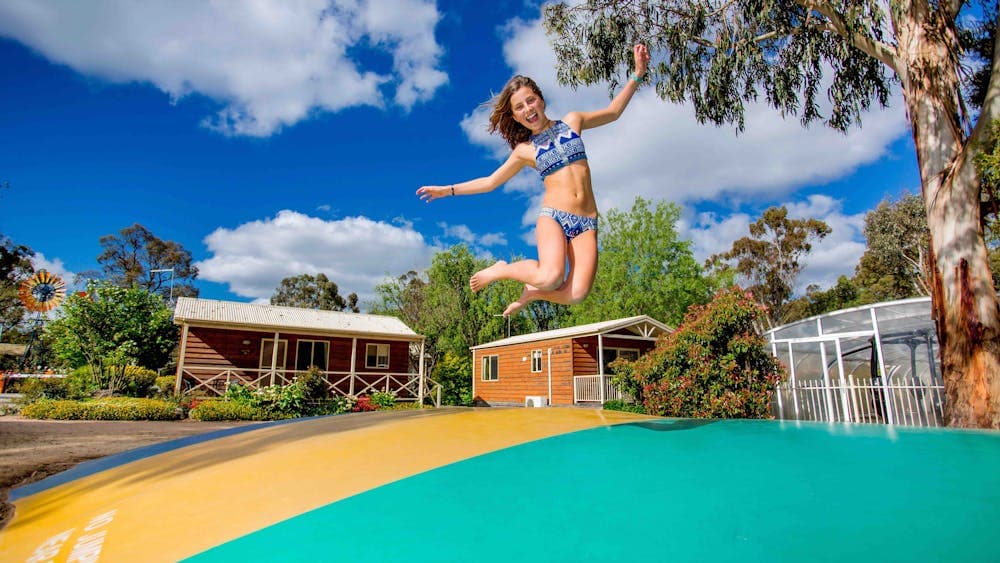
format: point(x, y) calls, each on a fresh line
point(547, 272)
point(582, 253)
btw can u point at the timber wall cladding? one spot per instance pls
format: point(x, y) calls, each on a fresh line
point(224, 348)
point(515, 379)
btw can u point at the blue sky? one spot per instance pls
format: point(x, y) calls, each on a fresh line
point(288, 139)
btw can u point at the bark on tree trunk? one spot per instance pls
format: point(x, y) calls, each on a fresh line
point(965, 307)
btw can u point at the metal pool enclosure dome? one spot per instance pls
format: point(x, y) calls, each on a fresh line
point(875, 363)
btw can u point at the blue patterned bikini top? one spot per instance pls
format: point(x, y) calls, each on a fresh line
point(556, 147)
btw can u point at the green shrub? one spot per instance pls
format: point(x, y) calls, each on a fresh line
point(616, 405)
point(280, 400)
point(214, 410)
point(36, 389)
point(383, 400)
point(138, 382)
point(114, 408)
point(313, 384)
point(81, 384)
point(333, 405)
point(715, 365)
point(164, 385)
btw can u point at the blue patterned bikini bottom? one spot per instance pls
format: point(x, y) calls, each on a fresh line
point(573, 225)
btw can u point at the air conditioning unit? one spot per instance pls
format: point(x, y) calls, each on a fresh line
point(535, 401)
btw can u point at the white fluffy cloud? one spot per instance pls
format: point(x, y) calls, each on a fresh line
point(269, 62)
point(355, 252)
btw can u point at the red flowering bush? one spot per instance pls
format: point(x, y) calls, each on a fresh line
point(364, 404)
point(715, 365)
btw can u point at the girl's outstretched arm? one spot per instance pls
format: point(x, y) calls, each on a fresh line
point(591, 119)
point(518, 159)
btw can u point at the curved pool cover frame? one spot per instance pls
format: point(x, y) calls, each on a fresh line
point(555, 484)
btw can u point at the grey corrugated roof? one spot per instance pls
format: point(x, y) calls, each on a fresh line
point(252, 315)
point(581, 330)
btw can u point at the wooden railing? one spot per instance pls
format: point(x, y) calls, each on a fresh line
point(406, 386)
point(587, 388)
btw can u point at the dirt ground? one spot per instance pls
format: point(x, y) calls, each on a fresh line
point(31, 450)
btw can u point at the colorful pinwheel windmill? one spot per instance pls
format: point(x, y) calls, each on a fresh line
point(42, 292)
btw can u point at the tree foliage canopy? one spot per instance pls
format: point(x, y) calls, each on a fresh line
point(313, 292)
point(894, 265)
point(719, 55)
point(113, 326)
point(770, 258)
point(645, 268)
point(130, 258)
point(15, 267)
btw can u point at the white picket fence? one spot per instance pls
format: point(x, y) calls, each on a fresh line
point(587, 389)
point(896, 400)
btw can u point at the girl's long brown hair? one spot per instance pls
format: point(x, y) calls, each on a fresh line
point(502, 119)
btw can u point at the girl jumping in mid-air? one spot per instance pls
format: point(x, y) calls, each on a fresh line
point(567, 223)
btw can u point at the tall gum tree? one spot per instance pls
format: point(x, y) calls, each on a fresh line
point(719, 54)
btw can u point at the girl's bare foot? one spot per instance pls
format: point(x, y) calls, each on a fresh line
point(529, 294)
point(486, 276)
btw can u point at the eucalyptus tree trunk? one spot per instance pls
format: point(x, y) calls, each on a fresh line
point(965, 307)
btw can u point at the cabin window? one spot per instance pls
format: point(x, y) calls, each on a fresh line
point(267, 352)
point(536, 361)
point(377, 356)
point(312, 353)
point(612, 354)
point(491, 365)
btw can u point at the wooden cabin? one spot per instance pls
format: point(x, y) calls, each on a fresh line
point(225, 341)
point(567, 366)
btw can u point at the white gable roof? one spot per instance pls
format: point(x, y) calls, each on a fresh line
point(209, 312)
point(642, 325)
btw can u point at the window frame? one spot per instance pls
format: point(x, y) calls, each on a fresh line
point(377, 345)
point(282, 354)
point(536, 355)
point(312, 354)
point(490, 367)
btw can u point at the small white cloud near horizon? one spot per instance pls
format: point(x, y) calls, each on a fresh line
point(356, 253)
point(465, 234)
point(269, 63)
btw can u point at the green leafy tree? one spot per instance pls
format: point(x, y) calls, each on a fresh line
point(458, 319)
point(715, 365)
point(988, 163)
point(131, 257)
point(111, 327)
point(720, 55)
point(313, 292)
point(453, 372)
point(770, 258)
point(894, 265)
point(645, 268)
point(842, 295)
point(440, 305)
point(15, 267)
